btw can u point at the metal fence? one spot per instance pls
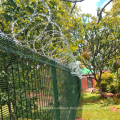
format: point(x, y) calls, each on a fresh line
point(34, 87)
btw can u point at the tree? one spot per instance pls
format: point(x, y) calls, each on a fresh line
point(101, 43)
point(115, 10)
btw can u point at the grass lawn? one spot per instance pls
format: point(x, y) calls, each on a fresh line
point(90, 108)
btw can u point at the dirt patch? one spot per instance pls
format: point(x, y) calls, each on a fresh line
point(113, 95)
point(114, 109)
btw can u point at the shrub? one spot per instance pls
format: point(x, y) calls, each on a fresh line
point(111, 88)
point(108, 101)
point(106, 79)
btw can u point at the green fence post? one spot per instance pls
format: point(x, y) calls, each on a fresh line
point(76, 95)
point(74, 112)
point(79, 89)
point(54, 79)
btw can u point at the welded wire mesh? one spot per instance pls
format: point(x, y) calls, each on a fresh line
point(34, 25)
point(35, 87)
point(38, 25)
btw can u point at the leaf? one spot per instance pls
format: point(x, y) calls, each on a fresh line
point(72, 48)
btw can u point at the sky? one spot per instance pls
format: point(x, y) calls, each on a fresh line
point(90, 6)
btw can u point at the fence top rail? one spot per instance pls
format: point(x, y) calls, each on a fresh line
point(7, 44)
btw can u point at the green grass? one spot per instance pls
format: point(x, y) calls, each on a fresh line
point(91, 109)
point(117, 106)
point(88, 97)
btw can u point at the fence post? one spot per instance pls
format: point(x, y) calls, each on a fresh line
point(54, 79)
point(79, 80)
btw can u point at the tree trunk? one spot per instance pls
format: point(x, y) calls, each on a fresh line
point(101, 92)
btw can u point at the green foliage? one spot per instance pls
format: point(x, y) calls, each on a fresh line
point(114, 86)
point(29, 23)
point(106, 79)
point(111, 88)
point(18, 86)
point(115, 10)
point(101, 46)
point(97, 92)
point(27, 103)
point(112, 65)
point(110, 101)
point(116, 81)
point(107, 102)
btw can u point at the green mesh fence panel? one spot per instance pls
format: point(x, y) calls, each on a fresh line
point(34, 87)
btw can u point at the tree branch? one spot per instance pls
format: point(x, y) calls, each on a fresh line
point(73, 1)
point(102, 10)
point(73, 8)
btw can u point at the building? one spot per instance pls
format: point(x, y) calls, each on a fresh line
point(87, 80)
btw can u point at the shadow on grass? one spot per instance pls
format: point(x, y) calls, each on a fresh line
point(87, 99)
